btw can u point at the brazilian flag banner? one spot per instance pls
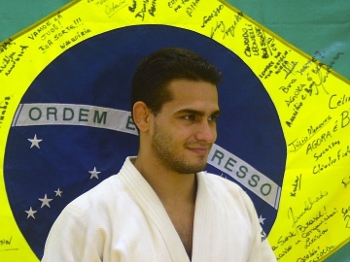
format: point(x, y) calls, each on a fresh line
point(65, 122)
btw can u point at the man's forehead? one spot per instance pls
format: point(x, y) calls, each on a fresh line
point(190, 87)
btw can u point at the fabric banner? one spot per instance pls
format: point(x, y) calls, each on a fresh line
point(65, 120)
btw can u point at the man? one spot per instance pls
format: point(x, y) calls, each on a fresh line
point(161, 206)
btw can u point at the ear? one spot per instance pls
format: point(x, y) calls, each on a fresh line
point(141, 114)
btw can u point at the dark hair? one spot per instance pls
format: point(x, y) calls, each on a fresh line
point(156, 71)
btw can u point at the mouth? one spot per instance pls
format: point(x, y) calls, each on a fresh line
point(201, 151)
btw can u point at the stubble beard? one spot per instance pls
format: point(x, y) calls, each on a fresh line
point(164, 148)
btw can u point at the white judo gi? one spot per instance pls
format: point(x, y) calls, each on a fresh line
point(122, 219)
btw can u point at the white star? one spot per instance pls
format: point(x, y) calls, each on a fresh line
point(58, 192)
point(30, 213)
point(35, 141)
point(94, 173)
point(45, 201)
point(261, 220)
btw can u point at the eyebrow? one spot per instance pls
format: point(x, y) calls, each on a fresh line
point(196, 112)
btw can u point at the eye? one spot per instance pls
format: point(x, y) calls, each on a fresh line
point(189, 117)
point(213, 118)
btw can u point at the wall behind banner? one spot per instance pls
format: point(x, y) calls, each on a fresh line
point(319, 30)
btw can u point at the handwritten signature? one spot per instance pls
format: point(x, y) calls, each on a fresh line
point(6, 45)
point(142, 13)
point(214, 13)
point(289, 68)
point(296, 186)
point(9, 62)
point(224, 29)
point(112, 9)
point(5, 244)
point(346, 181)
point(315, 254)
point(308, 205)
point(321, 77)
point(346, 216)
point(312, 131)
point(316, 81)
point(3, 107)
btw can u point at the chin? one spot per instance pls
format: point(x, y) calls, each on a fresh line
point(199, 168)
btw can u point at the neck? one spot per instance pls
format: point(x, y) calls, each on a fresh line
point(177, 192)
point(171, 187)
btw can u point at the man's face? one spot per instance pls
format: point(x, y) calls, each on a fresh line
point(185, 128)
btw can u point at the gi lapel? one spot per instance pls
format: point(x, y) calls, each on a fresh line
point(149, 202)
point(205, 227)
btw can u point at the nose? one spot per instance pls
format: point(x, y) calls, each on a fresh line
point(206, 132)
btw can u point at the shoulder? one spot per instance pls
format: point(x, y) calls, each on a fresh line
point(104, 194)
point(99, 197)
point(227, 192)
point(215, 182)
point(102, 199)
